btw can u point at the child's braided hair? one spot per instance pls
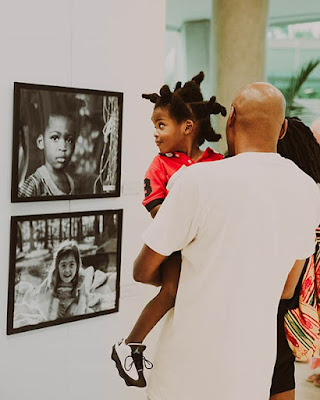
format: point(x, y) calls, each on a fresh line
point(186, 102)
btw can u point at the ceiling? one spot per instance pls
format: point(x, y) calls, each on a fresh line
point(284, 11)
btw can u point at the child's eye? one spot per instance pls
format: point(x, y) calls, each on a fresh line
point(54, 138)
point(69, 140)
point(161, 125)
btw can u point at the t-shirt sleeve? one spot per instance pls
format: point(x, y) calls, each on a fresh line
point(155, 181)
point(176, 224)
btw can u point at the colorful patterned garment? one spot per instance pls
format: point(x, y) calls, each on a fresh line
point(302, 325)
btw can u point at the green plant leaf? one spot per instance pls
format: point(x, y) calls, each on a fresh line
point(294, 86)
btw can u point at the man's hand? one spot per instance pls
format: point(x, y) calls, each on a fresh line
point(146, 266)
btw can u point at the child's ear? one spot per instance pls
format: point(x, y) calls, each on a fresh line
point(189, 126)
point(40, 143)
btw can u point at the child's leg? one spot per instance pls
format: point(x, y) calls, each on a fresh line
point(162, 303)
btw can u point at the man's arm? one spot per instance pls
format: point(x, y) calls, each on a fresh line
point(172, 230)
point(141, 269)
point(292, 279)
point(146, 266)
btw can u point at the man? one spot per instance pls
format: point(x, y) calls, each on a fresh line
point(237, 225)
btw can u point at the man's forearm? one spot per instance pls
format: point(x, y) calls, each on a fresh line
point(146, 267)
point(153, 279)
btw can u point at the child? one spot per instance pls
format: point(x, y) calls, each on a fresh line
point(182, 123)
point(63, 293)
point(57, 142)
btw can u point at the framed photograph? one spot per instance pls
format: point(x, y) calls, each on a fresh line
point(66, 143)
point(63, 268)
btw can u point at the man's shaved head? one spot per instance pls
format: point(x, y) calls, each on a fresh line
point(257, 118)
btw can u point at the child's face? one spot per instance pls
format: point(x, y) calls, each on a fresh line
point(67, 268)
point(169, 135)
point(57, 142)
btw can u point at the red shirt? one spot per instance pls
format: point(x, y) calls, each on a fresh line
point(162, 168)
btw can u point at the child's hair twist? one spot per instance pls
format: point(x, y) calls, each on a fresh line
point(187, 102)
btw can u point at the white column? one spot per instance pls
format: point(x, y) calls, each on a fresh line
point(239, 32)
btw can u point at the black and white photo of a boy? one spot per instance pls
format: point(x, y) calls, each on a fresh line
point(57, 143)
point(66, 143)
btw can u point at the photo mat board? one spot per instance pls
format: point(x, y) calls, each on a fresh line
point(63, 267)
point(66, 143)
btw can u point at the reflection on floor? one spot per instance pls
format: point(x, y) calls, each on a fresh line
point(305, 390)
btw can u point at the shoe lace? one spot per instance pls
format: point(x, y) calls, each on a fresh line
point(140, 362)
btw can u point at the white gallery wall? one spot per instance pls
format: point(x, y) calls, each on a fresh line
point(113, 45)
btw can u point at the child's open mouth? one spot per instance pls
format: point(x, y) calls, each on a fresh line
point(61, 159)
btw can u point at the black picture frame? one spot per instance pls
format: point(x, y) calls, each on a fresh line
point(38, 295)
point(66, 143)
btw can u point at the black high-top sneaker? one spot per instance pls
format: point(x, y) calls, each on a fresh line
point(130, 361)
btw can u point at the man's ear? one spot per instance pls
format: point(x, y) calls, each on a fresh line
point(232, 117)
point(40, 143)
point(188, 126)
point(283, 129)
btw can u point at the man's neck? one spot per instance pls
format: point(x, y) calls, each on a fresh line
point(255, 148)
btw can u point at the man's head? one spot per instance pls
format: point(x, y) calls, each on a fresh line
point(257, 119)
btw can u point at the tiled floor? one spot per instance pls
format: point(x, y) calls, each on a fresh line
point(305, 390)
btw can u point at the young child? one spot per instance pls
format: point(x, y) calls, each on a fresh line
point(57, 143)
point(182, 124)
point(63, 292)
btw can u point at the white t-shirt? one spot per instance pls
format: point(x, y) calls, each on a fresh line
point(241, 224)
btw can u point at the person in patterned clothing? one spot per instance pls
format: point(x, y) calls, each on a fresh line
point(298, 318)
